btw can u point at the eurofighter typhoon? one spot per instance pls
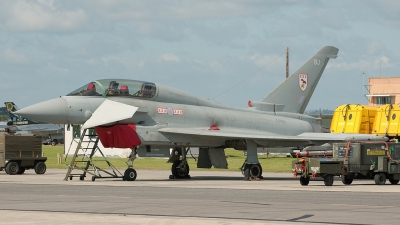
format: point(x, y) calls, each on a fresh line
point(154, 115)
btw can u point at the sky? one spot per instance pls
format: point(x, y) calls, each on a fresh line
point(228, 51)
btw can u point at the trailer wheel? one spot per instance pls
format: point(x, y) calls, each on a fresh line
point(21, 170)
point(40, 168)
point(393, 181)
point(12, 168)
point(380, 178)
point(347, 180)
point(328, 180)
point(304, 181)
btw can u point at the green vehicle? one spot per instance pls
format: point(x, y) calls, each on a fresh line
point(378, 161)
point(375, 160)
point(21, 152)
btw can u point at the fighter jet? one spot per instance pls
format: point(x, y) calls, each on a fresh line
point(131, 113)
point(51, 133)
point(17, 120)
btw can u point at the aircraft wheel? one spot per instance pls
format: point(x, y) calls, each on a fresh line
point(180, 172)
point(12, 168)
point(21, 170)
point(81, 177)
point(380, 178)
point(328, 180)
point(253, 171)
point(93, 178)
point(347, 180)
point(130, 174)
point(304, 181)
point(40, 168)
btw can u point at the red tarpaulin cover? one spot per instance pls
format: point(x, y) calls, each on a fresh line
point(118, 136)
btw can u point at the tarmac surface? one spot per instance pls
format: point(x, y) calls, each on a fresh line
point(209, 197)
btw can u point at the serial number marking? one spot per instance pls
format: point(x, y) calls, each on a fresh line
point(170, 111)
point(375, 152)
point(162, 111)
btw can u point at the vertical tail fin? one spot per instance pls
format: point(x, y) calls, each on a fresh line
point(17, 120)
point(295, 92)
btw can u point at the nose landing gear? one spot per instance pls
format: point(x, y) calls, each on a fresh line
point(130, 173)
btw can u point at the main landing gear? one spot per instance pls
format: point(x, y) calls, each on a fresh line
point(251, 168)
point(252, 171)
point(180, 167)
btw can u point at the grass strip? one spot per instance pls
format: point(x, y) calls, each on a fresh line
point(235, 160)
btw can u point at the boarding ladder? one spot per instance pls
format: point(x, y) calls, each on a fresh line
point(83, 159)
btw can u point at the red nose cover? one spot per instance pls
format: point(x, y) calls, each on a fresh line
point(118, 136)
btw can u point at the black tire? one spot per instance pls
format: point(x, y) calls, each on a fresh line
point(12, 168)
point(255, 170)
point(328, 180)
point(180, 172)
point(93, 178)
point(347, 180)
point(252, 171)
point(304, 181)
point(81, 177)
point(40, 168)
point(380, 178)
point(130, 174)
point(53, 143)
point(21, 170)
point(393, 181)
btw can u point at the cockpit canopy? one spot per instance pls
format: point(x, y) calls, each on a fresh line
point(141, 90)
point(117, 87)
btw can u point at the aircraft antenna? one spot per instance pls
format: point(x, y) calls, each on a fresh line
point(248, 76)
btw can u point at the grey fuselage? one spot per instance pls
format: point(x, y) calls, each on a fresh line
point(171, 108)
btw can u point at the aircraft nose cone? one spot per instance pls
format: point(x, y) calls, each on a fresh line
point(51, 111)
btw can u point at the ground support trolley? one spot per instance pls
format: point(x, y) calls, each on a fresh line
point(307, 168)
point(369, 160)
point(379, 161)
point(21, 152)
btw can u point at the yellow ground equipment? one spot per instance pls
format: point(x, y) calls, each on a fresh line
point(387, 121)
point(353, 118)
